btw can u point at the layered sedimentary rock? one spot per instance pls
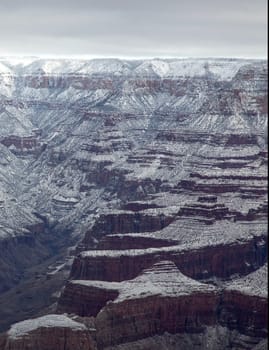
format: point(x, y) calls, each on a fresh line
point(144, 306)
point(132, 241)
point(48, 333)
point(238, 311)
point(86, 299)
point(126, 222)
point(161, 299)
point(243, 299)
point(214, 338)
point(217, 260)
point(137, 162)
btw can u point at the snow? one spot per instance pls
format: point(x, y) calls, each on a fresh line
point(160, 67)
point(187, 237)
point(73, 122)
point(12, 123)
point(98, 284)
point(65, 198)
point(150, 170)
point(4, 69)
point(23, 328)
point(153, 67)
point(18, 61)
point(73, 66)
point(223, 69)
point(52, 66)
point(105, 66)
point(255, 283)
point(163, 279)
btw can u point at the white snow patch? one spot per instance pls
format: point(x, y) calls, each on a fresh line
point(253, 284)
point(49, 321)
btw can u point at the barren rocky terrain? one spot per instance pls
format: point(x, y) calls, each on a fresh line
point(133, 204)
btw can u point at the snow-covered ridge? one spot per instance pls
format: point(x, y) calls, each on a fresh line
point(22, 328)
point(162, 279)
point(221, 68)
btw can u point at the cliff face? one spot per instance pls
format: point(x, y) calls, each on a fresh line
point(218, 260)
point(48, 333)
point(152, 316)
point(161, 300)
point(237, 311)
point(123, 167)
point(84, 300)
point(125, 222)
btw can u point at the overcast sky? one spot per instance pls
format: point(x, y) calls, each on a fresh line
point(134, 28)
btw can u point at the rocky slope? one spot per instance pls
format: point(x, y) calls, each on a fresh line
point(124, 164)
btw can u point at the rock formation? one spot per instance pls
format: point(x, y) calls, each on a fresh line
point(142, 176)
point(48, 332)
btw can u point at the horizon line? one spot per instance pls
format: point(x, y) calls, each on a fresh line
point(122, 57)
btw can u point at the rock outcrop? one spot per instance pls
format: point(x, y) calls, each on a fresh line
point(48, 333)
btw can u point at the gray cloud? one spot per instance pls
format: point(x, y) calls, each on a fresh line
point(128, 28)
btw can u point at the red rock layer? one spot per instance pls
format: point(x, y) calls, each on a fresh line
point(123, 242)
point(248, 314)
point(83, 300)
point(123, 222)
point(136, 319)
point(50, 339)
point(220, 261)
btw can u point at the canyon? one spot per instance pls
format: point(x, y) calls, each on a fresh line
point(133, 200)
